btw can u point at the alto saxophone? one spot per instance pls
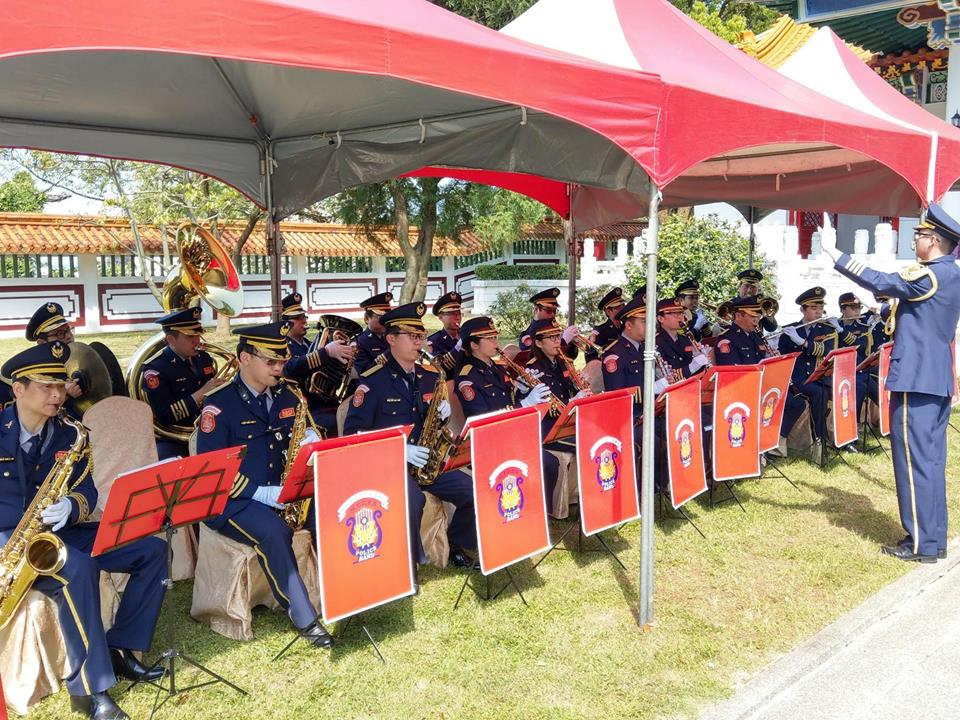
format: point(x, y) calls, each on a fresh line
point(31, 549)
point(578, 380)
point(295, 513)
point(435, 435)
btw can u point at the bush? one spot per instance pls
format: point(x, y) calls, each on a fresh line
point(708, 249)
point(526, 271)
point(512, 311)
point(587, 299)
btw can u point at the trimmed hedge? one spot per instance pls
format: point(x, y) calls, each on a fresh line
point(526, 271)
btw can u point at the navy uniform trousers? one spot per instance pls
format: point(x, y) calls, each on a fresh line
point(76, 591)
point(918, 442)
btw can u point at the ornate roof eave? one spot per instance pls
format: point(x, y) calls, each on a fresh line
point(773, 47)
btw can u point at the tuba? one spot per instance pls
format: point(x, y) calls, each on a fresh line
point(206, 273)
point(435, 435)
point(332, 379)
point(32, 550)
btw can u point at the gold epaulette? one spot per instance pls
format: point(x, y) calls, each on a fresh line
point(465, 370)
point(918, 272)
point(371, 370)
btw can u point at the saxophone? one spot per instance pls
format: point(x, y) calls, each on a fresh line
point(579, 381)
point(435, 435)
point(556, 404)
point(32, 550)
point(295, 513)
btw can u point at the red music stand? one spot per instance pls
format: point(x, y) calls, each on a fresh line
point(871, 360)
point(166, 496)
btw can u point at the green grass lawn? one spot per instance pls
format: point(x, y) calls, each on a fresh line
point(761, 582)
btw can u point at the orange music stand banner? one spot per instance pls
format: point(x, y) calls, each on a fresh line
point(363, 530)
point(845, 430)
point(508, 490)
point(736, 421)
point(884, 394)
point(685, 464)
point(773, 397)
point(606, 461)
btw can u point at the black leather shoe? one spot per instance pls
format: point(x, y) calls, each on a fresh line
point(126, 665)
point(907, 555)
point(318, 636)
point(99, 706)
point(460, 558)
point(942, 554)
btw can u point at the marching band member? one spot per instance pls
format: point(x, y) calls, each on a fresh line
point(303, 362)
point(547, 367)
point(608, 331)
point(257, 411)
point(398, 392)
point(640, 293)
point(623, 361)
point(483, 386)
point(921, 377)
point(814, 342)
point(33, 438)
point(48, 324)
point(176, 379)
point(856, 329)
point(743, 344)
point(688, 295)
point(750, 280)
point(676, 349)
point(444, 344)
point(545, 307)
point(371, 343)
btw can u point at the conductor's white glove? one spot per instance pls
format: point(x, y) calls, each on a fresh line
point(792, 333)
point(57, 515)
point(310, 436)
point(660, 385)
point(828, 245)
point(699, 360)
point(268, 495)
point(417, 455)
point(445, 409)
point(539, 394)
point(570, 333)
point(699, 320)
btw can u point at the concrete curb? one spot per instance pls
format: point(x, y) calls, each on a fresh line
point(789, 670)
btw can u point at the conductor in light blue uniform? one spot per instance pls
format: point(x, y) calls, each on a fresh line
point(921, 377)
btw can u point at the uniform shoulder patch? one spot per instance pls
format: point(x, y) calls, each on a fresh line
point(371, 370)
point(466, 389)
point(915, 272)
point(610, 363)
point(360, 394)
point(723, 345)
point(151, 378)
point(208, 418)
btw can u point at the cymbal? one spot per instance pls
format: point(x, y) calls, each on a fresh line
point(98, 384)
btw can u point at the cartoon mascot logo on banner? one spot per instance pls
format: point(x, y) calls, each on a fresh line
point(844, 398)
point(768, 406)
point(606, 453)
point(360, 513)
point(683, 435)
point(736, 414)
point(506, 480)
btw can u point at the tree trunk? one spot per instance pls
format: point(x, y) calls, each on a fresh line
point(401, 223)
point(417, 256)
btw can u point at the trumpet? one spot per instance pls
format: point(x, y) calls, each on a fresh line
point(556, 404)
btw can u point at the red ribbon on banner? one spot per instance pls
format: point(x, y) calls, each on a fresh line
point(736, 421)
point(844, 385)
point(606, 461)
point(685, 464)
point(773, 397)
point(508, 488)
point(884, 395)
point(363, 531)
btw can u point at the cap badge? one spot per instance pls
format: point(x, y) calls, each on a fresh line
point(51, 308)
point(57, 350)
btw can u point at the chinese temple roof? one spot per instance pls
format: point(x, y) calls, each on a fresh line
point(774, 46)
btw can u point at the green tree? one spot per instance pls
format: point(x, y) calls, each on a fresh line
point(492, 13)
point(20, 194)
point(708, 249)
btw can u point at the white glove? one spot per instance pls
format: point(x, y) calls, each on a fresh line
point(57, 515)
point(570, 333)
point(459, 346)
point(417, 455)
point(660, 385)
point(792, 333)
point(583, 394)
point(699, 360)
point(539, 394)
point(828, 245)
point(445, 409)
point(268, 494)
point(310, 436)
point(836, 324)
point(700, 320)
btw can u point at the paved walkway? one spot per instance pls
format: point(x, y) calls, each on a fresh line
point(896, 657)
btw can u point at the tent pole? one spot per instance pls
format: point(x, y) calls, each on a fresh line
point(753, 237)
point(274, 241)
point(571, 245)
point(648, 449)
